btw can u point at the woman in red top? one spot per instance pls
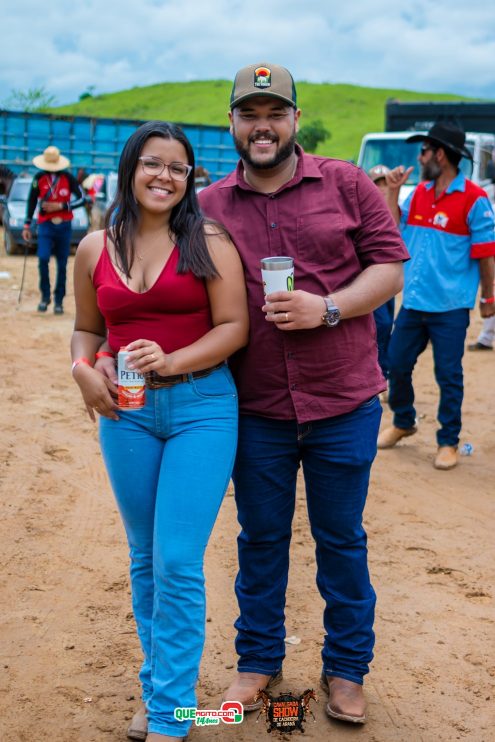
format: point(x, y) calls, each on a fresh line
point(168, 286)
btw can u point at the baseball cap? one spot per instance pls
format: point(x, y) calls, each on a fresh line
point(263, 79)
point(377, 172)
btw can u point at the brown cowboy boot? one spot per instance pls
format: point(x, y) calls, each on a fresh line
point(246, 685)
point(346, 701)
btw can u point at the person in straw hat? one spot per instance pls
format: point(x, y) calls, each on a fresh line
point(51, 190)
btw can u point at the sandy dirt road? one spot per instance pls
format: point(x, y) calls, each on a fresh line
point(69, 655)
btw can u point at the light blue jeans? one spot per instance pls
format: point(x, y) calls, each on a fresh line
point(169, 465)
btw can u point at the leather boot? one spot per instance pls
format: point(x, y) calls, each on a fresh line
point(446, 458)
point(346, 701)
point(390, 436)
point(246, 685)
point(138, 728)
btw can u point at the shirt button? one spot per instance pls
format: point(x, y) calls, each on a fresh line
point(273, 225)
point(290, 355)
point(293, 386)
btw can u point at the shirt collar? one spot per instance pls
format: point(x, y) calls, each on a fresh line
point(458, 184)
point(306, 168)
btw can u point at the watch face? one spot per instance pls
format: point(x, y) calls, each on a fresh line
point(331, 317)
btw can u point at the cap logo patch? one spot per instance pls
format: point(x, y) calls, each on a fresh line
point(262, 77)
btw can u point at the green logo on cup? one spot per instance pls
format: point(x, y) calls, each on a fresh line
point(290, 283)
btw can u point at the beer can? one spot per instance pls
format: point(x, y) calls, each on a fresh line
point(130, 385)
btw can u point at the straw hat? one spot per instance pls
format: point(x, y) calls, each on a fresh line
point(51, 160)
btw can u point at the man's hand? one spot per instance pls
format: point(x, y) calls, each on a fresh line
point(397, 177)
point(487, 310)
point(26, 234)
point(294, 310)
point(51, 206)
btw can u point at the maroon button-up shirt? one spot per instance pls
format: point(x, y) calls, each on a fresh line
point(334, 222)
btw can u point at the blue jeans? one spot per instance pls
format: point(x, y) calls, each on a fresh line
point(336, 455)
point(169, 465)
point(447, 332)
point(53, 239)
point(384, 321)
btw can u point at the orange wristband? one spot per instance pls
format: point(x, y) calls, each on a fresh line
point(80, 360)
point(104, 354)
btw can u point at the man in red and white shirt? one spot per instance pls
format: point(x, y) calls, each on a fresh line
point(51, 190)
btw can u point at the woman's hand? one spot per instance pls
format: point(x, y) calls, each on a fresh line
point(98, 392)
point(146, 355)
point(106, 366)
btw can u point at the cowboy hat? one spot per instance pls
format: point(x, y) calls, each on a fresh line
point(51, 160)
point(446, 135)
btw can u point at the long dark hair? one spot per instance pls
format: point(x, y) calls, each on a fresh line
point(186, 220)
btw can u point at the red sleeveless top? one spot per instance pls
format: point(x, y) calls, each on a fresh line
point(174, 312)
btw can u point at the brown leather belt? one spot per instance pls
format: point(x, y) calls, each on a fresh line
point(155, 381)
point(56, 220)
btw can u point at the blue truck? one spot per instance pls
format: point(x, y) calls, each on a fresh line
point(93, 144)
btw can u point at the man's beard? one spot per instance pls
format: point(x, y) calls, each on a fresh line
point(282, 154)
point(430, 170)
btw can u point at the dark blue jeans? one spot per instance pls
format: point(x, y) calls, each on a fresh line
point(53, 239)
point(447, 332)
point(336, 455)
point(384, 321)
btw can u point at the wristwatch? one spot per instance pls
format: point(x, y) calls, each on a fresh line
point(331, 318)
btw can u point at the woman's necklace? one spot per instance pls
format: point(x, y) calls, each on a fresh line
point(140, 255)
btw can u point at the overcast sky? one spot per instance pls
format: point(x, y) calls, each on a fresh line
point(428, 45)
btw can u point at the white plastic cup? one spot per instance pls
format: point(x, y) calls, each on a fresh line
point(277, 274)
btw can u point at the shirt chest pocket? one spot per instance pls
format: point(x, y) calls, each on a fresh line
point(320, 238)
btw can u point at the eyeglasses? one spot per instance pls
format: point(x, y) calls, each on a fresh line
point(154, 166)
point(426, 148)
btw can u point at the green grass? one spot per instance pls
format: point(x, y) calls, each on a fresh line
point(347, 111)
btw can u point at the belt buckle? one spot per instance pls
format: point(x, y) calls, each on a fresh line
point(57, 220)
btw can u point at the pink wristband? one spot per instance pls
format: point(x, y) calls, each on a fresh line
point(80, 360)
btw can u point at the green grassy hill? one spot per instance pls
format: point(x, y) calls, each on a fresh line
point(347, 111)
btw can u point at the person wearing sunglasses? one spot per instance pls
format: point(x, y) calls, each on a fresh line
point(166, 285)
point(448, 226)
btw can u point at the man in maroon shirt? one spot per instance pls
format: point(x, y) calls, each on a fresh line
point(308, 382)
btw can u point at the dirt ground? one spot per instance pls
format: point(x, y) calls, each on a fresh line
point(69, 655)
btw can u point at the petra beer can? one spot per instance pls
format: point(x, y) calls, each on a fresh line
point(130, 385)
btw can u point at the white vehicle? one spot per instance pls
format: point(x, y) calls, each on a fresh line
point(391, 149)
